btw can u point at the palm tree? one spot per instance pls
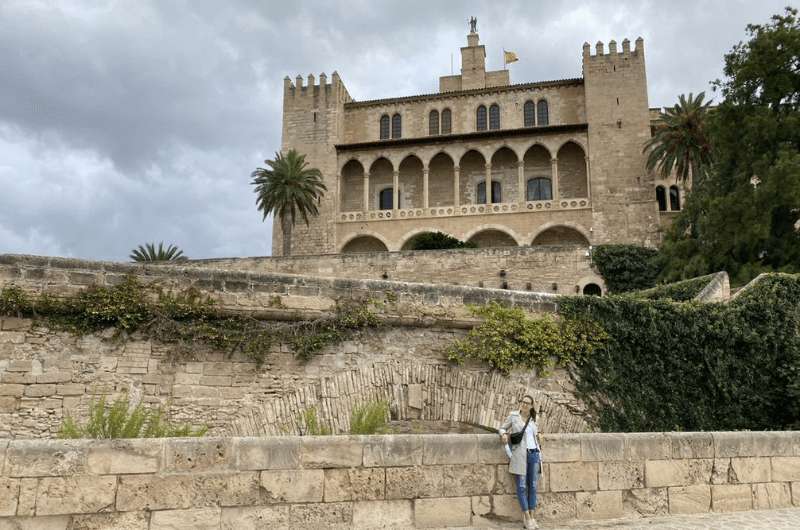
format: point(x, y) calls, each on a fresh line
point(286, 189)
point(148, 252)
point(681, 141)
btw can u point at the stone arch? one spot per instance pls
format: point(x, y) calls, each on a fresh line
point(538, 165)
point(408, 238)
point(473, 171)
point(504, 171)
point(561, 234)
point(488, 236)
point(592, 289)
point(283, 415)
point(410, 182)
point(381, 176)
point(351, 190)
point(572, 181)
point(370, 242)
point(591, 279)
point(441, 175)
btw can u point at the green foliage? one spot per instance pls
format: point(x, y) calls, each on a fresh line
point(311, 425)
point(681, 142)
point(148, 253)
point(438, 241)
point(743, 218)
point(288, 188)
point(626, 267)
point(369, 418)
point(689, 366)
point(120, 420)
point(508, 338)
point(184, 319)
point(682, 291)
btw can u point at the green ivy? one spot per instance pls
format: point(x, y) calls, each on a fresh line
point(682, 291)
point(691, 366)
point(438, 241)
point(626, 267)
point(184, 319)
point(508, 338)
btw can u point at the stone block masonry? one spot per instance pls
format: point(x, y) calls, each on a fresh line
point(401, 481)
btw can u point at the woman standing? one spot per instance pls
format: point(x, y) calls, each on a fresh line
point(520, 439)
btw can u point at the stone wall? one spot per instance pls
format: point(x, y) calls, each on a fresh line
point(407, 481)
point(526, 268)
point(46, 374)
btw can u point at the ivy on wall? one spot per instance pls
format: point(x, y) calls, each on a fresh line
point(183, 319)
point(626, 267)
point(681, 291)
point(689, 366)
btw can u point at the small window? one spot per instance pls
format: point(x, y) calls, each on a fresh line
point(447, 126)
point(542, 115)
point(481, 118)
point(674, 199)
point(386, 199)
point(539, 189)
point(433, 123)
point(385, 127)
point(661, 197)
point(496, 192)
point(396, 126)
point(529, 113)
point(494, 117)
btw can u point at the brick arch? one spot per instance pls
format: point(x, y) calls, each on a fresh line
point(371, 239)
point(592, 278)
point(351, 189)
point(414, 390)
point(345, 161)
point(528, 146)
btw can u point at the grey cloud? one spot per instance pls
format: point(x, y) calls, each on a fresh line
point(126, 122)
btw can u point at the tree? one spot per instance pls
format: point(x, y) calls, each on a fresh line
point(438, 241)
point(149, 252)
point(681, 142)
point(286, 189)
point(745, 217)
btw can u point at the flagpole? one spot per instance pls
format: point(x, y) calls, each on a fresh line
point(505, 64)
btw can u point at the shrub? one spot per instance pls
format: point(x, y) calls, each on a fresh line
point(681, 291)
point(626, 267)
point(120, 420)
point(311, 425)
point(369, 418)
point(508, 338)
point(438, 241)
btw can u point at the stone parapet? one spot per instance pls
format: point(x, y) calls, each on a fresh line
point(400, 481)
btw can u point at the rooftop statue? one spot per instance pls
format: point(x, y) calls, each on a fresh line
point(473, 24)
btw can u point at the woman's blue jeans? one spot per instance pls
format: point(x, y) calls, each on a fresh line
point(526, 484)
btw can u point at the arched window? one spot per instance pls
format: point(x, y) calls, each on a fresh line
point(674, 199)
point(386, 199)
point(396, 126)
point(480, 118)
point(661, 197)
point(447, 122)
point(385, 127)
point(529, 113)
point(496, 192)
point(542, 117)
point(539, 189)
point(433, 123)
point(494, 117)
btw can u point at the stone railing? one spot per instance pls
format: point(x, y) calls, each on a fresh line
point(465, 209)
point(407, 481)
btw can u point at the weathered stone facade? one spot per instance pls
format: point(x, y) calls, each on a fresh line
point(558, 270)
point(485, 160)
point(407, 481)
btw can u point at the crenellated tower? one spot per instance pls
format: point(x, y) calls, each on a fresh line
point(313, 123)
point(619, 125)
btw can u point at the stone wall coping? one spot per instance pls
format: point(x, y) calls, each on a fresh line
point(183, 273)
point(47, 457)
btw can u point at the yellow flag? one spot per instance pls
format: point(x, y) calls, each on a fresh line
point(510, 57)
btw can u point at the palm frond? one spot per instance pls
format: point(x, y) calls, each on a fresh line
point(149, 253)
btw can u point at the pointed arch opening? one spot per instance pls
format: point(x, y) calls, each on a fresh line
point(538, 174)
point(410, 181)
point(472, 171)
point(572, 182)
point(352, 187)
point(381, 177)
point(441, 172)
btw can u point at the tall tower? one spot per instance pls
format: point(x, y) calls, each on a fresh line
point(619, 125)
point(313, 123)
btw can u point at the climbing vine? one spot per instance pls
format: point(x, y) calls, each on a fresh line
point(626, 267)
point(184, 319)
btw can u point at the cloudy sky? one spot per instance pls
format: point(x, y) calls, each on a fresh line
point(123, 122)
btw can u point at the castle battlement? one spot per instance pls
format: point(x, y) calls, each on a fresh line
point(612, 49)
point(311, 88)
